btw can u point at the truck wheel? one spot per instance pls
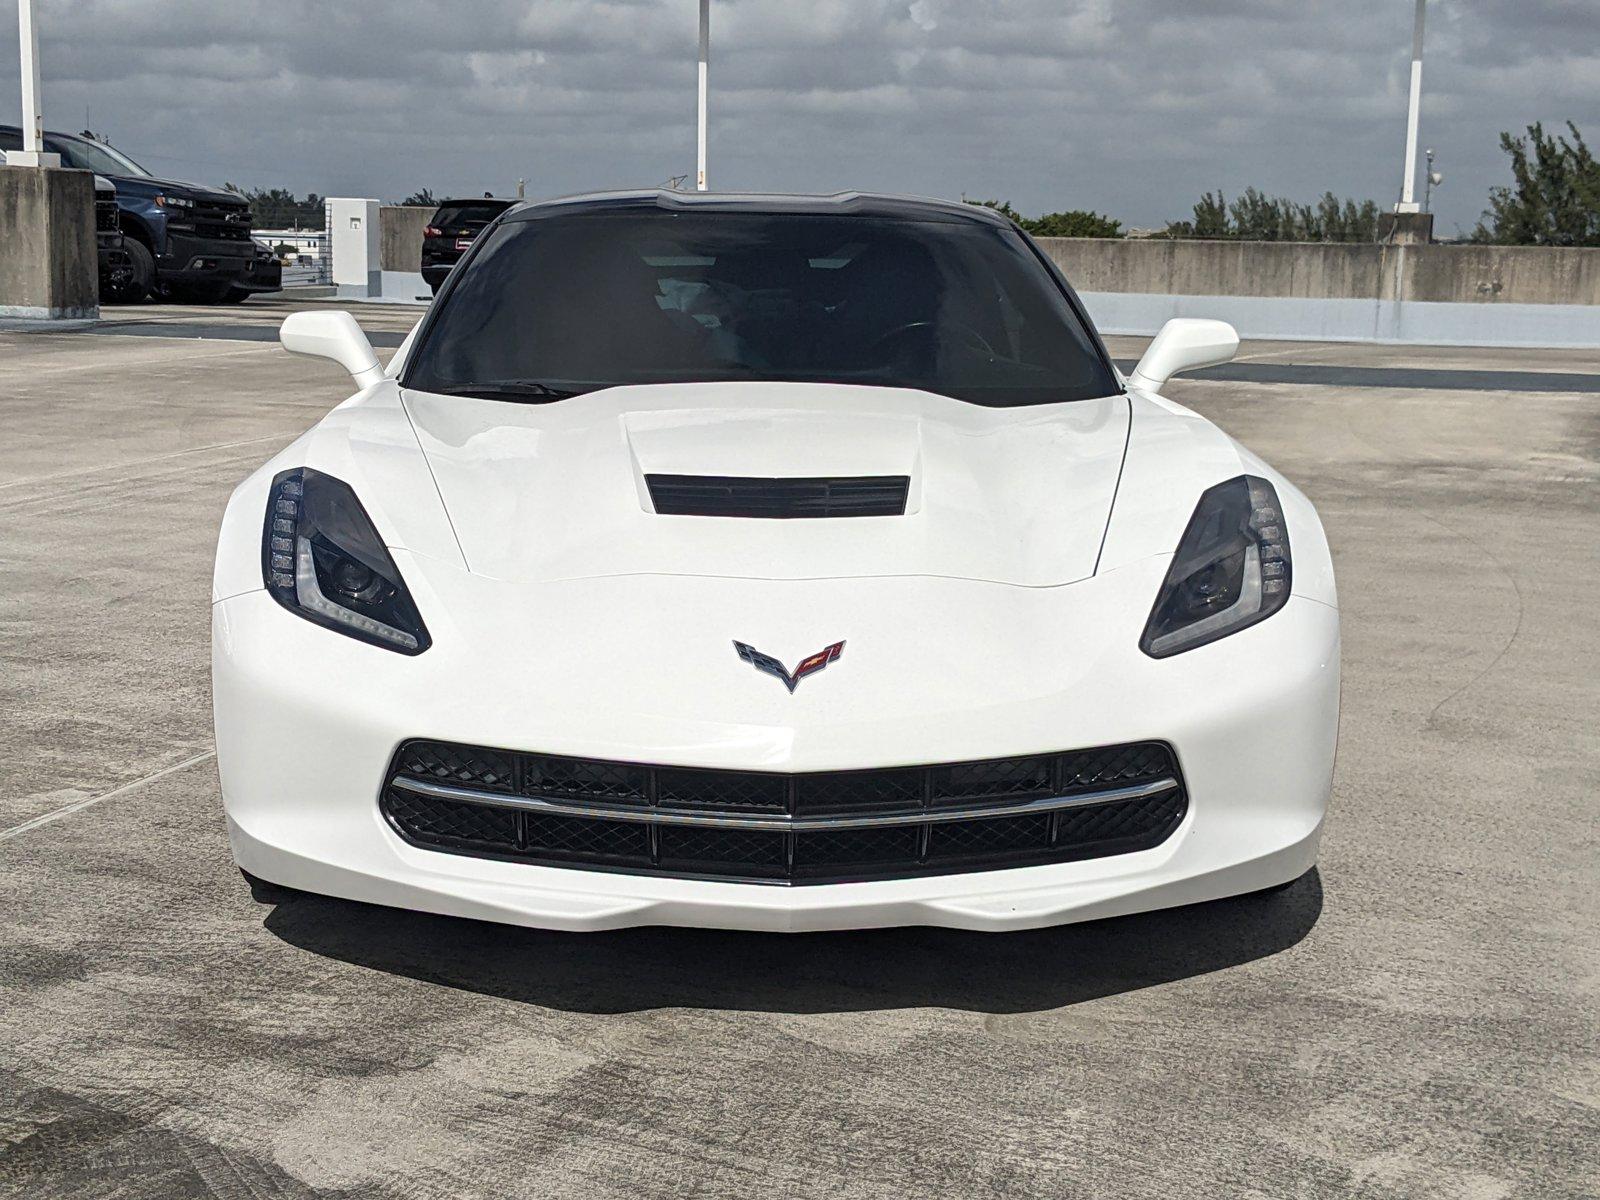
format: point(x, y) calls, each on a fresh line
point(139, 279)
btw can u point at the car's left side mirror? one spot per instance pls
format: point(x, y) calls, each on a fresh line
point(1184, 344)
point(332, 335)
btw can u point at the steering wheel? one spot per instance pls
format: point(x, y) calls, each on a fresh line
point(970, 336)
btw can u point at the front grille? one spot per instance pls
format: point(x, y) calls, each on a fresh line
point(227, 222)
point(882, 823)
point(106, 219)
point(784, 498)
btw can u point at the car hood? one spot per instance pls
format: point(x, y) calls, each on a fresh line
point(151, 185)
point(543, 492)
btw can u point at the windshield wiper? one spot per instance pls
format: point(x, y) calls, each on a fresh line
point(526, 390)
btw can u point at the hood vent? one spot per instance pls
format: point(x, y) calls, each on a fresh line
point(781, 498)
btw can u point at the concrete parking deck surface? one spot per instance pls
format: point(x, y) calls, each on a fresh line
point(1419, 1018)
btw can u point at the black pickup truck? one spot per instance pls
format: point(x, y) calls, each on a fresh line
point(185, 241)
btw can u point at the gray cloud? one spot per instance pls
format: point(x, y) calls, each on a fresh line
point(1129, 106)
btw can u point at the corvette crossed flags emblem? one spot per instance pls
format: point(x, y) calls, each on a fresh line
point(791, 679)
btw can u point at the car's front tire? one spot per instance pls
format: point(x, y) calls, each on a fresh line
point(137, 284)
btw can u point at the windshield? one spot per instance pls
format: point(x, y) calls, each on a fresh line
point(455, 218)
point(92, 156)
point(570, 303)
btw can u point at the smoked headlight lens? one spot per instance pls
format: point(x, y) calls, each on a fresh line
point(1231, 569)
point(323, 560)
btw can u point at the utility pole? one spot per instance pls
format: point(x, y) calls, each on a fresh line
point(1408, 203)
point(705, 68)
point(32, 153)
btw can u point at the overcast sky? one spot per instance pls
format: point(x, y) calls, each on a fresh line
point(1131, 107)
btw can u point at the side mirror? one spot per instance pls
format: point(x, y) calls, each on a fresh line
point(332, 335)
point(1184, 344)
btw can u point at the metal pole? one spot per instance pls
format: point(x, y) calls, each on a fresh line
point(1408, 203)
point(705, 66)
point(32, 152)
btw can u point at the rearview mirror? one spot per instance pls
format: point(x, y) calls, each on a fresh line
point(332, 335)
point(1184, 344)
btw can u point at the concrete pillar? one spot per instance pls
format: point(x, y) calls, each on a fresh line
point(353, 234)
point(1405, 228)
point(49, 264)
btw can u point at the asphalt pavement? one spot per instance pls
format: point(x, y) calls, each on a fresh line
point(1420, 1017)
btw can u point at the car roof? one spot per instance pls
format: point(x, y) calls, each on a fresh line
point(840, 204)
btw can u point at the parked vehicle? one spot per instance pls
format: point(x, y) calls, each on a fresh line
point(451, 232)
point(186, 241)
point(770, 562)
point(116, 267)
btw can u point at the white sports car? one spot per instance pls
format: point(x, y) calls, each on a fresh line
point(770, 562)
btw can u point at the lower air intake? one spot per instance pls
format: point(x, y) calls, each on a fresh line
point(890, 823)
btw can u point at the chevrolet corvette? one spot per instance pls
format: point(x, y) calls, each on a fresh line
point(774, 563)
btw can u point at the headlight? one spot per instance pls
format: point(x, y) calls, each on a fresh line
point(1231, 569)
point(323, 560)
point(174, 202)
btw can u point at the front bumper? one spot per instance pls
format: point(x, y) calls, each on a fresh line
point(196, 260)
point(307, 722)
point(262, 275)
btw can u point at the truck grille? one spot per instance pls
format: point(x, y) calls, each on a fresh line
point(226, 222)
point(889, 823)
point(106, 219)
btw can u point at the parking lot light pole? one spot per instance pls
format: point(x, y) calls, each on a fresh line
point(32, 153)
point(705, 70)
point(1408, 203)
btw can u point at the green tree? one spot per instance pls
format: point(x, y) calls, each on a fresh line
point(1254, 216)
point(1555, 196)
point(422, 198)
point(1074, 222)
point(277, 208)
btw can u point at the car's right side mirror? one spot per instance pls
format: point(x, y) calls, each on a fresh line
point(1184, 344)
point(332, 334)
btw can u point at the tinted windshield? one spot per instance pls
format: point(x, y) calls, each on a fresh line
point(571, 303)
point(454, 218)
point(91, 156)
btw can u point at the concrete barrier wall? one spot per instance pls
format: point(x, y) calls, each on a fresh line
point(49, 263)
point(1450, 295)
point(1460, 295)
point(400, 237)
point(1331, 271)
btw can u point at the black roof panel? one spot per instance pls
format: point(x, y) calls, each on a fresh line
point(856, 204)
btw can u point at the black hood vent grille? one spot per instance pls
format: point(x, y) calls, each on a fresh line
point(781, 498)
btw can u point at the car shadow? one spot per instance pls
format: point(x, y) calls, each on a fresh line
point(638, 969)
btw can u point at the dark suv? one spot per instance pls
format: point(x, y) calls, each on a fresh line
point(184, 240)
point(451, 231)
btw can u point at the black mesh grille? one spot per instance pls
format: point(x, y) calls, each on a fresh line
point(582, 838)
point(426, 818)
point(757, 851)
point(735, 496)
point(794, 853)
point(544, 775)
point(726, 791)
